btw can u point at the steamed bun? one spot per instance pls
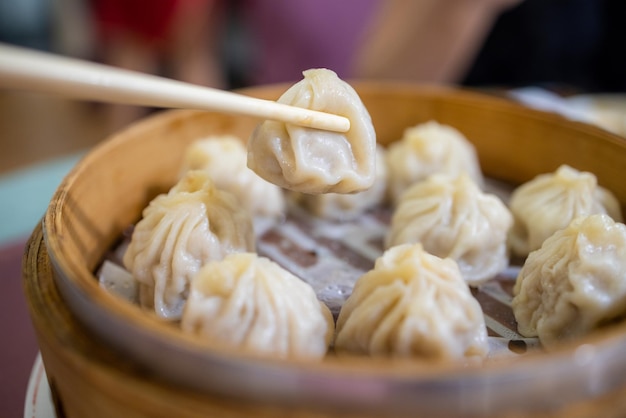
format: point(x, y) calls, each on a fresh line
point(314, 161)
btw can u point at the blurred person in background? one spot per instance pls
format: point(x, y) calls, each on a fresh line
point(26, 23)
point(578, 45)
point(172, 38)
point(429, 41)
point(508, 43)
point(567, 45)
point(238, 43)
point(228, 44)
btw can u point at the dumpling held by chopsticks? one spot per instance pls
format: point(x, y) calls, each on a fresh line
point(314, 161)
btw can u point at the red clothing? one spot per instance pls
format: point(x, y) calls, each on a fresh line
point(149, 21)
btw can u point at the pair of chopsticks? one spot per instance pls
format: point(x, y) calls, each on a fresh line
point(36, 71)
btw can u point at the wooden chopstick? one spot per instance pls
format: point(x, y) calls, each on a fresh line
point(31, 70)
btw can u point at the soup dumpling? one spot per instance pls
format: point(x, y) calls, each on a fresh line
point(549, 202)
point(224, 158)
point(574, 283)
point(315, 161)
point(412, 304)
point(180, 231)
point(451, 217)
point(342, 207)
point(426, 149)
point(250, 302)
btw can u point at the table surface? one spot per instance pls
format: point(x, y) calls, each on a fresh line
point(19, 351)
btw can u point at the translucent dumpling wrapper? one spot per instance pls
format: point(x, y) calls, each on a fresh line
point(225, 159)
point(250, 302)
point(452, 217)
point(180, 231)
point(412, 304)
point(574, 283)
point(549, 202)
point(426, 149)
point(342, 207)
point(311, 160)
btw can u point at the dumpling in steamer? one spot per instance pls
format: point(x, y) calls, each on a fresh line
point(315, 161)
point(574, 283)
point(224, 158)
point(426, 149)
point(549, 202)
point(451, 217)
point(412, 304)
point(342, 207)
point(250, 302)
point(180, 231)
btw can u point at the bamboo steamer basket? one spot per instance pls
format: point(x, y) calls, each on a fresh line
point(105, 357)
